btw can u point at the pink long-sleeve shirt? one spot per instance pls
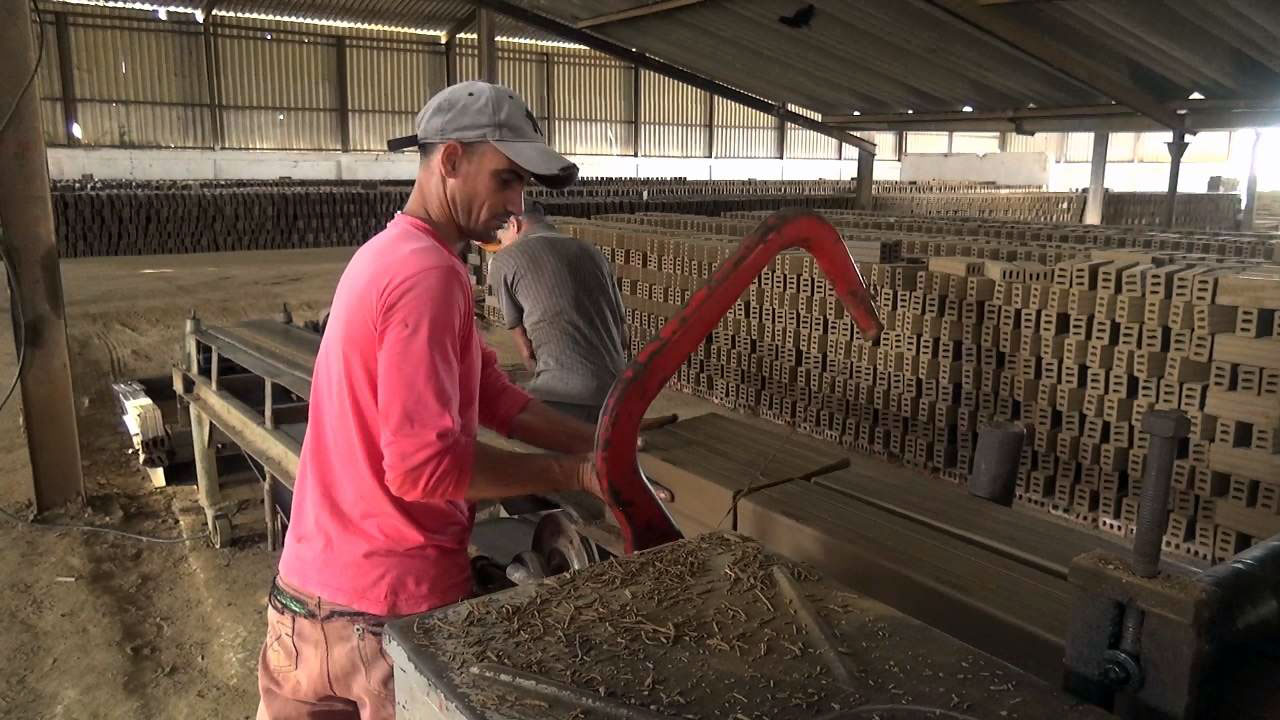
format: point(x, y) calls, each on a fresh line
point(379, 520)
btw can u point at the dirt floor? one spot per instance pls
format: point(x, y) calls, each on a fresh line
point(108, 627)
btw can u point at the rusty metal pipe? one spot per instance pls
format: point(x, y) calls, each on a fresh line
point(643, 519)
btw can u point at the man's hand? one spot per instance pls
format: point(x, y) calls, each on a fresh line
point(586, 480)
point(653, 423)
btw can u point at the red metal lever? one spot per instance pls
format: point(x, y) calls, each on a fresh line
point(643, 519)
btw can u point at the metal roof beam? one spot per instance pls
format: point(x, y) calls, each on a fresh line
point(648, 62)
point(1062, 120)
point(462, 25)
point(635, 12)
point(999, 24)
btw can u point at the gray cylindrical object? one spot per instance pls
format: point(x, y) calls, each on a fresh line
point(1166, 428)
point(995, 462)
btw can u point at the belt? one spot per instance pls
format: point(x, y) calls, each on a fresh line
point(290, 604)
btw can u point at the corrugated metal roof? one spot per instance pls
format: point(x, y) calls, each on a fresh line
point(887, 56)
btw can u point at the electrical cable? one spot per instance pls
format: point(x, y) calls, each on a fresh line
point(20, 327)
point(108, 531)
point(19, 324)
point(35, 70)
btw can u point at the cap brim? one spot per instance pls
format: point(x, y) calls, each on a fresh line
point(548, 167)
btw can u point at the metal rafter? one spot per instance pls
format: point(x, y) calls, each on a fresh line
point(635, 12)
point(1000, 25)
point(648, 62)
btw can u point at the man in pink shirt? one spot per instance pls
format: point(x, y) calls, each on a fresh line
point(382, 511)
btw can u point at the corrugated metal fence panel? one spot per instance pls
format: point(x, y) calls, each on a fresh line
point(1120, 147)
point(526, 73)
point(741, 132)
point(1050, 143)
point(281, 72)
point(927, 143)
point(1209, 147)
point(674, 118)
point(49, 84)
point(592, 104)
point(807, 144)
point(278, 93)
point(886, 146)
point(1151, 147)
point(979, 143)
point(387, 83)
point(1077, 147)
point(139, 85)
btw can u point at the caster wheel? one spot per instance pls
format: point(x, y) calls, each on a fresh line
point(220, 531)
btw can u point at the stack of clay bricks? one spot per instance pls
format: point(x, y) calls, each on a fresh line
point(1244, 396)
point(1052, 329)
point(1035, 206)
point(1210, 211)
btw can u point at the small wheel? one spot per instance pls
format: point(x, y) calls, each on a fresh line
point(220, 531)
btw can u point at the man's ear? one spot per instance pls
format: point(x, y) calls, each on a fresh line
point(451, 158)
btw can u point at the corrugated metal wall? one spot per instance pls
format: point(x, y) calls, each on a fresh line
point(675, 118)
point(279, 91)
point(594, 105)
point(387, 83)
point(142, 82)
point(49, 83)
point(802, 143)
point(138, 85)
point(741, 132)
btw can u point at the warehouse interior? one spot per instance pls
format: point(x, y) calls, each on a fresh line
point(966, 311)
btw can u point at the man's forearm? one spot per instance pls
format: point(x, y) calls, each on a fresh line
point(501, 474)
point(542, 427)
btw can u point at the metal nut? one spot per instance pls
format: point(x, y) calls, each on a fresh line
point(1166, 423)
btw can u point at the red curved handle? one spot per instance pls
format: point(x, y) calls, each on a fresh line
point(643, 519)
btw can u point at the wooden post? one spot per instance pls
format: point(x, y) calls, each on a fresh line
point(344, 98)
point(451, 60)
point(635, 112)
point(66, 76)
point(48, 403)
point(1097, 179)
point(487, 46)
point(711, 125)
point(212, 82)
point(549, 96)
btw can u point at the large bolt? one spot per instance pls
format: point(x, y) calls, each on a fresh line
point(1166, 428)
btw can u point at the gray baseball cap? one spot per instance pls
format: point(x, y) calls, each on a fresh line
point(478, 111)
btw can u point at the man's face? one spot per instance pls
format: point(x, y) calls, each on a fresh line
point(510, 232)
point(485, 190)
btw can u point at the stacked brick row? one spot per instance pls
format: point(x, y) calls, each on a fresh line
point(1244, 397)
point(1209, 211)
point(1074, 340)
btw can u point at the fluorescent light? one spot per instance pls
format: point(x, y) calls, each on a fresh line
point(1195, 96)
point(857, 112)
point(76, 131)
point(967, 108)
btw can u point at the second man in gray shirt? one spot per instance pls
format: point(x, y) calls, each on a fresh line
point(560, 301)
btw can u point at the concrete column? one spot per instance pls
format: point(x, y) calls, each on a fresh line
point(1251, 186)
point(1176, 149)
point(866, 172)
point(1097, 179)
point(488, 46)
point(26, 214)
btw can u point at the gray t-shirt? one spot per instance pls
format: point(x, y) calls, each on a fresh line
point(562, 291)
